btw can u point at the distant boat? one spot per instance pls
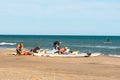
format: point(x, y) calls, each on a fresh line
point(107, 41)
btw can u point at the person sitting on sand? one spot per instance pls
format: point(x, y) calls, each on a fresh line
point(19, 48)
point(36, 49)
point(64, 50)
point(56, 45)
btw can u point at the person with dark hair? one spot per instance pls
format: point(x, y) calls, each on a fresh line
point(36, 49)
point(56, 45)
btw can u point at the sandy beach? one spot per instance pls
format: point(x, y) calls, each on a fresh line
point(58, 68)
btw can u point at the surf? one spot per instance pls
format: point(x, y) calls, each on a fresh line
point(5, 43)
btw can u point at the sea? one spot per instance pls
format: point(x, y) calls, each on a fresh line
point(93, 44)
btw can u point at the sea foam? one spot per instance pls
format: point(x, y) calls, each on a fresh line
point(5, 43)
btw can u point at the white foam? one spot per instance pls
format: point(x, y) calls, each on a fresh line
point(5, 43)
point(114, 55)
point(96, 54)
point(68, 55)
point(98, 46)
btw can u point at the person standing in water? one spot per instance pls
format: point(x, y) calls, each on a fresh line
point(108, 40)
point(56, 45)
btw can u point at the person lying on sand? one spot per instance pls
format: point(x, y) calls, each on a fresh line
point(36, 49)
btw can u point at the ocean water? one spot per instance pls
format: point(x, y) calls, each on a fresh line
point(93, 44)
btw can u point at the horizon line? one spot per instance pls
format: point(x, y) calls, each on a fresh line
point(52, 35)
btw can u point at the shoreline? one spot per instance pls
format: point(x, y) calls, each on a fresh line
point(58, 68)
point(13, 50)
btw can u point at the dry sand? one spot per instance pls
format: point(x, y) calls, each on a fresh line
point(58, 68)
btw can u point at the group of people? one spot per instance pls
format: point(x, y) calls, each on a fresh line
point(63, 50)
point(20, 49)
point(56, 46)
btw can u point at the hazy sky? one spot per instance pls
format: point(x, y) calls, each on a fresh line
point(60, 17)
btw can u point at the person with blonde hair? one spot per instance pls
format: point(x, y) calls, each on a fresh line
point(19, 48)
point(64, 50)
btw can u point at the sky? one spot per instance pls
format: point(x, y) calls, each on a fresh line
point(60, 17)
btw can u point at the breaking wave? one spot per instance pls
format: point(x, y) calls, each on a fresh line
point(5, 43)
point(114, 55)
point(105, 47)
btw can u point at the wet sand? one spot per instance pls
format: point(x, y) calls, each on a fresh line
point(58, 68)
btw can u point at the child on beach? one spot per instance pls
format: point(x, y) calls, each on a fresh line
point(19, 48)
point(64, 50)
